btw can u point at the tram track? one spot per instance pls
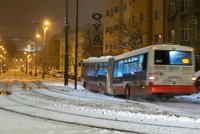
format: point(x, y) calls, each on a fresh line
point(121, 121)
point(70, 114)
point(45, 109)
point(22, 101)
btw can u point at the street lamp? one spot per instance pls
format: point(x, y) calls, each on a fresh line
point(45, 28)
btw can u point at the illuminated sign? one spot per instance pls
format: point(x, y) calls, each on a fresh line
point(185, 61)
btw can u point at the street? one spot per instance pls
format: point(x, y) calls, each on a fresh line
point(52, 108)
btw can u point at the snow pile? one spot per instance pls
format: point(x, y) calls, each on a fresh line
point(189, 98)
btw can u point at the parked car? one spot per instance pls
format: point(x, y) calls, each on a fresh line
point(58, 74)
point(197, 83)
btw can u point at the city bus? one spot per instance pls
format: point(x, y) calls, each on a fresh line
point(156, 70)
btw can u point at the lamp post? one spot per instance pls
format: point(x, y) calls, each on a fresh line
point(76, 48)
point(1, 57)
point(2, 50)
point(26, 62)
point(36, 54)
point(4, 61)
point(37, 36)
point(45, 28)
point(66, 46)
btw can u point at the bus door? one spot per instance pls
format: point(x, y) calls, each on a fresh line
point(109, 76)
point(101, 76)
point(138, 72)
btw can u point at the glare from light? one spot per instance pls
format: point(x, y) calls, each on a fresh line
point(38, 35)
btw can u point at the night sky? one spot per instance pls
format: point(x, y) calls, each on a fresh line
point(16, 16)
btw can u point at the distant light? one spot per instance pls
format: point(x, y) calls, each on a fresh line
point(37, 35)
point(46, 23)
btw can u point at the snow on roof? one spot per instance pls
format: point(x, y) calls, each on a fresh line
point(166, 46)
point(95, 59)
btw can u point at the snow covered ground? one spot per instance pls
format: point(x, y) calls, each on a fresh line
point(95, 109)
point(12, 123)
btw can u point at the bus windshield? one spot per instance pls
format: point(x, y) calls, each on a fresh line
point(163, 57)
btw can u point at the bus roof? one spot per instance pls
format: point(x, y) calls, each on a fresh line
point(96, 59)
point(166, 46)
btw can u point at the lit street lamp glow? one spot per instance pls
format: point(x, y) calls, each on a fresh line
point(37, 36)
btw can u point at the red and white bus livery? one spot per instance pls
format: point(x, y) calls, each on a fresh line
point(163, 70)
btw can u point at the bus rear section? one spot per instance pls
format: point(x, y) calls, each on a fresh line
point(96, 74)
point(171, 72)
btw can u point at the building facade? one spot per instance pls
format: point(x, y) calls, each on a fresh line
point(132, 24)
point(183, 24)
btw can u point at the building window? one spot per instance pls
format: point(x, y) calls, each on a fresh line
point(107, 13)
point(116, 10)
point(129, 21)
point(107, 29)
point(111, 29)
point(129, 2)
point(197, 3)
point(172, 9)
point(156, 14)
point(197, 36)
point(185, 34)
point(184, 5)
point(116, 27)
point(124, 7)
point(111, 12)
point(133, 19)
point(141, 39)
point(172, 36)
point(142, 16)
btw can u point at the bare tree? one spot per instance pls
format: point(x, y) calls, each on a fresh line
point(130, 34)
point(90, 49)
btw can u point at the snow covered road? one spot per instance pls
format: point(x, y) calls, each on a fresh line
point(62, 104)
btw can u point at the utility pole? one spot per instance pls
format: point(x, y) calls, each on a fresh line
point(76, 48)
point(37, 36)
point(66, 46)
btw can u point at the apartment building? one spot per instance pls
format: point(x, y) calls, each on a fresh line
point(182, 21)
point(132, 24)
point(183, 24)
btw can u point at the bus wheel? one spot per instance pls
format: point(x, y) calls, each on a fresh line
point(127, 91)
